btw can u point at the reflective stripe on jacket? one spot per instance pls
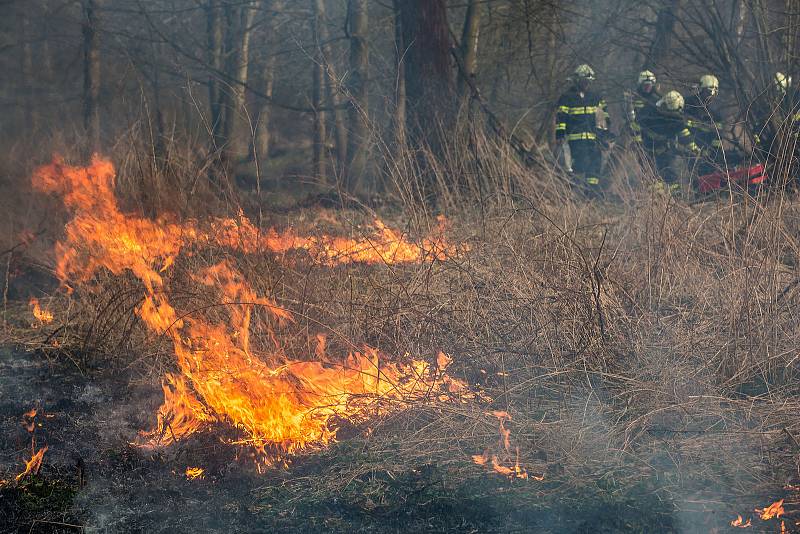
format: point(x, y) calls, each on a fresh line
point(577, 115)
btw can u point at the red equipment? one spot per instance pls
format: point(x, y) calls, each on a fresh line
point(742, 176)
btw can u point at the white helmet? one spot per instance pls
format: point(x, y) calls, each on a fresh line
point(584, 72)
point(709, 82)
point(782, 81)
point(647, 76)
point(672, 101)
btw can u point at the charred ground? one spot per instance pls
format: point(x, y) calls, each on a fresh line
point(645, 354)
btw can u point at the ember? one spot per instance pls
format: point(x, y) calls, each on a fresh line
point(280, 408)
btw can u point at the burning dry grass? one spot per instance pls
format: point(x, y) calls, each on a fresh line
point(641, 348)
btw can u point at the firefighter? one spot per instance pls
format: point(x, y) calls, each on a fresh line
point(705, 124)
point(778, 131)
point(665, 136)
point(582, 121)
point(645, 95)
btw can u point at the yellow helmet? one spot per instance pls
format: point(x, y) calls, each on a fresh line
point(672, 101)
point(709, 82)
point(782, 81)
point(647, 76)
point(584, 72)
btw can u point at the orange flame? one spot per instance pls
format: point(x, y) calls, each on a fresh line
point(44, 316)
point(33, 465)
point(193, 473)
point(740, 523)
point(480, 459)
point(773, 510)
point(278, 408)
point(505, 445)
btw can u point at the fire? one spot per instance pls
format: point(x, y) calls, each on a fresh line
point(773, 510)
point(33, 465)
point(380, 245)
point(44, 316)
point(740, 523)
point(515, 471)
point(28, 419)
point(279, 405)
point(193, 473)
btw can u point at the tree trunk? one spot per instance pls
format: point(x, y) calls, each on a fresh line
point(741, 19)
point(332, 96)
point(357, 87)
point(665, 28)
point(428, 73)
point(239, 31)
point(318, 79)
point(214, 53)
point(469, 46)
point(399, 118)
point(27, 75)
point(262, 142)
point(91, 76)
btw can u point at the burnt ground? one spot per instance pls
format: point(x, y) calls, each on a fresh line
point(93, 480)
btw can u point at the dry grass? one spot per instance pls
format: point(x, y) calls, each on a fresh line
point(645, 348)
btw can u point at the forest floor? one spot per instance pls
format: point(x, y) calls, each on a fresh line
point(609, 344)
point(92, 478)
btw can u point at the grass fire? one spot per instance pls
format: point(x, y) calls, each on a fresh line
point(413, 266)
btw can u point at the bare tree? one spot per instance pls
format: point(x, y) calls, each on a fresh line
point(665, 29)
point(91, 75)
point(261, 145)
point(27, 71)
point(357, 88)
point(214, 59)
point(428, 70)
point(469, 44)
point(399, 89)
point(317, 92)
point(239, 32)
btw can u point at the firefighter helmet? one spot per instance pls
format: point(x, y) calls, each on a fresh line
point(672, 101)
point(710, 83)
point(584, 72)
point(647, 76)
point(782, 82)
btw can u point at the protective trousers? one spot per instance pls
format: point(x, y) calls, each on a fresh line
point(587, 160)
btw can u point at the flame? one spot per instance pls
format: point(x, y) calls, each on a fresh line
point(34, 464)
point(193, 473)
point(279, 405)
point(480, 459)
point(44, 316)
point(29, 424)
point(773, 510)
point(380, 245)
point(516, 471)
point(739, 522)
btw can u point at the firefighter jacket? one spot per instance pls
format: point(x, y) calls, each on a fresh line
point(639, 101)
point(705, 123)
point(664, 131)
point(781, 125)
point(578, 115)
